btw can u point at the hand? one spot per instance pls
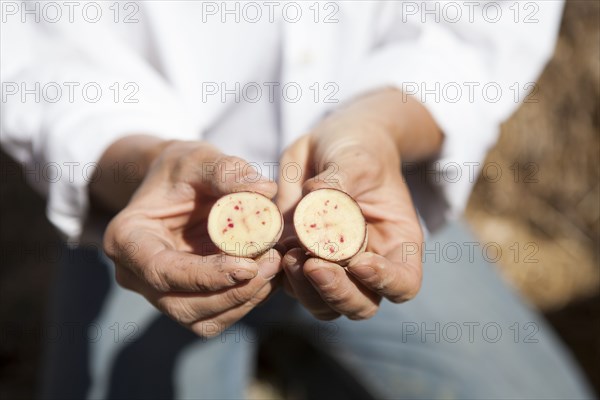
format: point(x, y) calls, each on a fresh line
point(162, 250)
point(353, 152)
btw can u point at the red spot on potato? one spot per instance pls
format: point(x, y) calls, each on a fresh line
point(224, 230)
point(230, 225)
point(228, 219)
point(258, 212)
point(329, 235)
point(236, 207)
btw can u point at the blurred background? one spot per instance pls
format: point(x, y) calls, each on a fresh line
point(547, 201)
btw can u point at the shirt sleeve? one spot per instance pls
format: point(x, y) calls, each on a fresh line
point(70, 90)
point(471, 73)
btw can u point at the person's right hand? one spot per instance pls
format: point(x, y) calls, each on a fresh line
point(161, 248)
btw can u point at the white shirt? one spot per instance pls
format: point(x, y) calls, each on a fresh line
point(250, 77)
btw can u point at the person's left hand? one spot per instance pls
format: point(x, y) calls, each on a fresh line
point(362, 160)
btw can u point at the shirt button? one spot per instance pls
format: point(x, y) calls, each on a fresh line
point(305, 58)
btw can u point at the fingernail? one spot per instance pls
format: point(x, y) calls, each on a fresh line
point(243, 275)
point(363, 272)
point(290, 259)
point(268, 269)
point(322, 277)
point(294, 267)
point(294, 272)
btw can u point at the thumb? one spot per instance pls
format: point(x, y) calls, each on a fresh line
point(230, 174)
point(348, 168)
point(332, 177)
point(294, 169)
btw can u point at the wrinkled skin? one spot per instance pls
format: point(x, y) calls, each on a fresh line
point(386, 269)
point(161, 247)
point(160, 244)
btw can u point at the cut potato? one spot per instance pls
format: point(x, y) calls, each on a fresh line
point(330, 225)
point(244, 224)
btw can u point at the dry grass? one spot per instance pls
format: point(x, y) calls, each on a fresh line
point(556, 143)
point(558, 212)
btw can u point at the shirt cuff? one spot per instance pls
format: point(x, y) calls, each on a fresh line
point(77, 146)
point(441, 189)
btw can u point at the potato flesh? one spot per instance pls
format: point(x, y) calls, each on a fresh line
point(330, 225)
point(244, 224)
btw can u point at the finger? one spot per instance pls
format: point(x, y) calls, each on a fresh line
point(339, 291)
point(186, 308)
point(175, 271)
point(156, 264)
point(216, 324)
point(396, 277)
point(229, 174)
point(294, 168)
point(330, 178)
point(302, 289)
point(269, 263)
point(348, 168)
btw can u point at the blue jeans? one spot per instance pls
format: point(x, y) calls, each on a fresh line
point(466, 335)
